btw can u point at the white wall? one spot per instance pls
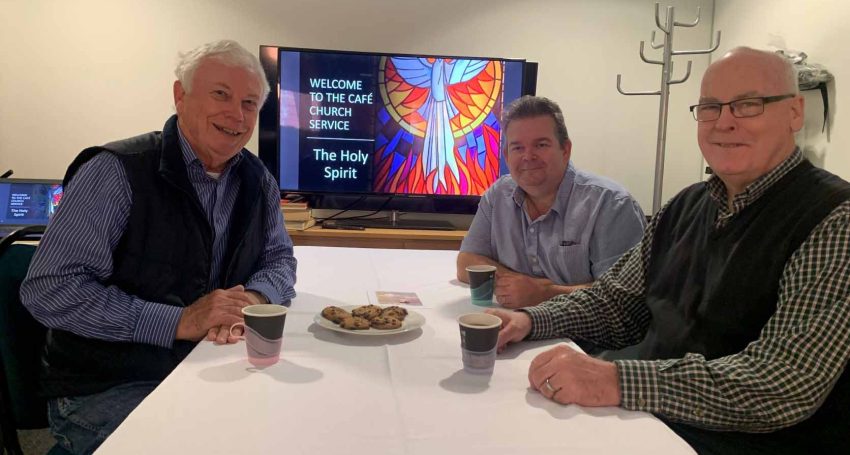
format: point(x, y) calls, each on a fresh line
point(820, 29)
point(80, 73)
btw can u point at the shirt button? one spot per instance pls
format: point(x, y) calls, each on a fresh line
point(534, 260)
point(641, 402)
point(531, 230)
point(698, 412)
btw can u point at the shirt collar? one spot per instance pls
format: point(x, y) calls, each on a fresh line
point(753, 191)
point(190, 158)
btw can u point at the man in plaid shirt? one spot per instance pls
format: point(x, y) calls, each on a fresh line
point(737, 296)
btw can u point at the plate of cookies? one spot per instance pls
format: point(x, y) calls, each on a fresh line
point(369, 319)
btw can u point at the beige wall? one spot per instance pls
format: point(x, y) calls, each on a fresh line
point(820, 29)
point(79, 73)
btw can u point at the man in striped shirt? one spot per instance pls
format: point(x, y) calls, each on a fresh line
point(738, 295)
point(161, 240)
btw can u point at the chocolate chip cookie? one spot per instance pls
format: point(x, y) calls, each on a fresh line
point(367, 311)
point(385, 323)
point(354, 323)
point(394, 312)
point(335, 314)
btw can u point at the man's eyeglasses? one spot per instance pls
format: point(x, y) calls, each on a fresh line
point(746, 107)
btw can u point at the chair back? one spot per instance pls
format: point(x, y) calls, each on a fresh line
point(22, 342)
point(21, 346)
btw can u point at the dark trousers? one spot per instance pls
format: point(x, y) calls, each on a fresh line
point(709, 442)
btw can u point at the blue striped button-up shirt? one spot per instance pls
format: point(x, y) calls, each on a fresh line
point(64, 287)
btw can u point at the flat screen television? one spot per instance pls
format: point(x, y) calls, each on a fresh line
point(379, 131)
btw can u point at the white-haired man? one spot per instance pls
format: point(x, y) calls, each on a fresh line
point(160, 241)
point(738, 294)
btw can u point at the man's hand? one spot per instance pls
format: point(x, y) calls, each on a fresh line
point(575, 378)
point(222, 333)
point(516, 325)
point(515, 290)
point(257, 298)
point(217, 310)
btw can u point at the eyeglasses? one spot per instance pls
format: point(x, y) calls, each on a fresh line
point(746, 107)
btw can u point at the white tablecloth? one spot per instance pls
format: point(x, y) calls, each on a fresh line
point(335, 393)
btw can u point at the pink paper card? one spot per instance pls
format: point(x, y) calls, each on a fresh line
point(397, 298)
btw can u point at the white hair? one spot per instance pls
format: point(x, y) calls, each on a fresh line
point(228, 52)
point(790, 77)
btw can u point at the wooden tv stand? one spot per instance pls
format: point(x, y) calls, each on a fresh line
point(379, 238)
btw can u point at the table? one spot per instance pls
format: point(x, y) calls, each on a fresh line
point(335, 393)
point(415, 239)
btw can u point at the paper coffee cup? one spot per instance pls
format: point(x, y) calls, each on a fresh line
point(479, 333)
point(482, 279)
point(263, 332)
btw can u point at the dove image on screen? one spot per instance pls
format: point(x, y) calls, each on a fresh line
point(439, 108)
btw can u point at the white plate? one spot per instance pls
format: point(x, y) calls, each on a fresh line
point(413, 321)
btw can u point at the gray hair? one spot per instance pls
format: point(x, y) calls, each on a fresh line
point(790, 76)
point(535, 106)
point(228, 52)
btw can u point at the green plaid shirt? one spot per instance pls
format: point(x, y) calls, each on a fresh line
point(778, 380)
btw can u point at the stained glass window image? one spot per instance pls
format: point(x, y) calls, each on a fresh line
point(438, 125)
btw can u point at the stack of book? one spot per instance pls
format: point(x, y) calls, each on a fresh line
point(296, 215)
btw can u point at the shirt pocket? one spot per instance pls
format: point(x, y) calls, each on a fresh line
point(572, 262)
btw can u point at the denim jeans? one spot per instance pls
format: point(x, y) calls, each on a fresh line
point(80, 424)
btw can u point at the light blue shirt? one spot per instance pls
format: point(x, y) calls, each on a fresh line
point(592, 222)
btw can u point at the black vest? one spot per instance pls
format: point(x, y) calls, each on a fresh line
point(711, 291)
point(164, 256)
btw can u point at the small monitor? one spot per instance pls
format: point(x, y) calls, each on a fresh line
point(27, 202)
